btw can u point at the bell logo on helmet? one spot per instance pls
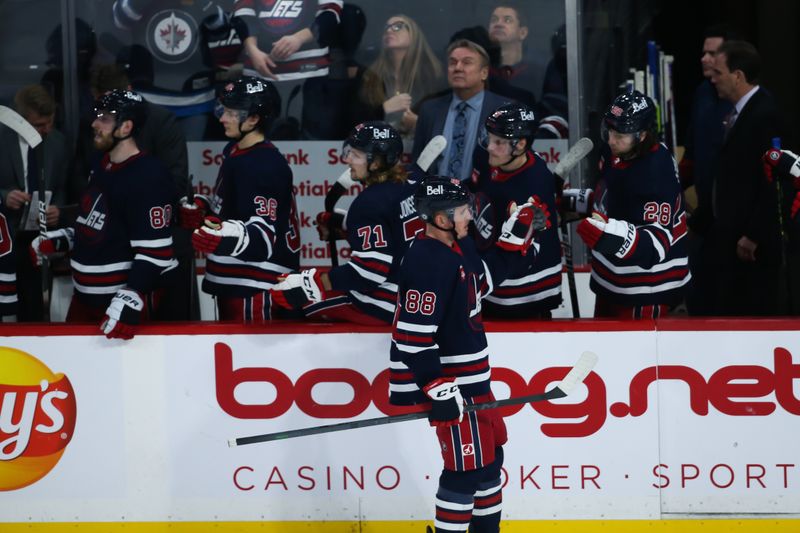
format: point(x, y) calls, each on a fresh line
point(381, 134)
point(638, 106)
point(526, 115)
point(253, 88)
point(434, 191)
point(616, 111)
point(130, 95)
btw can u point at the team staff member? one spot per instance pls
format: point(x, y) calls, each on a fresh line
point(515, 174)
point(252, 234)
point(380, 224)
point(121, 241)
point(637, 233)
point(439, 352)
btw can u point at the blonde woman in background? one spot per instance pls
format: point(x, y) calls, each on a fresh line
point(405, 72)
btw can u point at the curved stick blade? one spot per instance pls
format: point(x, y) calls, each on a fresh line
point(579, 372)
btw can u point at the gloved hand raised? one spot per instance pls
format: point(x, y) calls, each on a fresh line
point(191, 214)
point(518, 229)
point(608, 235)
point(123, 315)
point(294, 291)
point(447, 408)
point(52, 242)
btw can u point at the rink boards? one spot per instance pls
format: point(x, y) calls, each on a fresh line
point(681, 421)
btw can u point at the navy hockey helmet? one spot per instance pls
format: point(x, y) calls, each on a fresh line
point(440, 193)
point(251, 95)
point(630, 113)
point(376, 138)
point(122, 104)
point(512, 121)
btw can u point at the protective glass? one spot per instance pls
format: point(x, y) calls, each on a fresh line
point(233, 114)
point(105, 116)
point(606, 133)
point(498, 144)
point(352, 155)
point(395, 26)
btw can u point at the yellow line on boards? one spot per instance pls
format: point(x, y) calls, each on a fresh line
point(508, 526)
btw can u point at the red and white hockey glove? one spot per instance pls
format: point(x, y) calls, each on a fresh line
point(517, 232)
point(578, 201)
point(123, 315)
point(191, 215)
point(779, 163)
point(447, 408)
point(295, 291)
point(328, 223)
point(54, 242)
point(608, 235)
point(222, 238)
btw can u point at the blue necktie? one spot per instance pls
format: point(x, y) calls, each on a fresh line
point(459, 138)
point(33, 171)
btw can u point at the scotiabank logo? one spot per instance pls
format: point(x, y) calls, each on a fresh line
point(37, 418)
point(731, 390)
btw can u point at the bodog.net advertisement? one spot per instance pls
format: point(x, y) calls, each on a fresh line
point(667, 422)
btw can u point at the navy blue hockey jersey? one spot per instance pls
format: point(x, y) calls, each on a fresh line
point(645, 192)
point(538, 286)
point(122, 232)
point(381, 223)
point(254, 186)
point(8, 268)
point(438, 329)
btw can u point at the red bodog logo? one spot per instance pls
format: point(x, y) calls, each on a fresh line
point(37, 418)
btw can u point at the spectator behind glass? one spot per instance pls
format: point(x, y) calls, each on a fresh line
point(405, 72)
point(19, 177)
point(508, 27)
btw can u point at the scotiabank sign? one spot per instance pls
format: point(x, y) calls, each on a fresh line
point(733, 390)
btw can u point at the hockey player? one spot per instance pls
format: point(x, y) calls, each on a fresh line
point(252, 234)
point(380, 223)
point(8, 270)
point(782, 164)
point(515, 174)
point(121, 242)
point(439, 354)
point(637, 231)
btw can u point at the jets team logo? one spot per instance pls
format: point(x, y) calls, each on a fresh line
point(172, 36)
point(616, 111)
point(467, 449)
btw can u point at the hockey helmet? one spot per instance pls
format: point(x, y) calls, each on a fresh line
point(630, 113)
point(512, 121)
point(376, 138)
point(122, 104)
point(440, 193)
point(251, 95)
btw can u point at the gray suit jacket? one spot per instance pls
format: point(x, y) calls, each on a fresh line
point(57, 165)
point(433, 114)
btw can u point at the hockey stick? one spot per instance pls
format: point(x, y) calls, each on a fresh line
point(574, 377)
point(343, 183)
point(23, 128)
point(574, 156)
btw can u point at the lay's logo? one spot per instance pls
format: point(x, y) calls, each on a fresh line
point(37, 418)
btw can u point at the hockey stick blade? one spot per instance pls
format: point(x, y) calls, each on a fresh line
point(578, 151)
point(574, 377)
point(14, 120)
point(431, 151)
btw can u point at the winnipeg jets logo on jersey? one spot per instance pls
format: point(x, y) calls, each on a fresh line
point(96, 219)
point(283, 9)
point(172, 35)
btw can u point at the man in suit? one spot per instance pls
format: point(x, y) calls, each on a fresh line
point(19, 177)
point(460, 116)
point(744, 246)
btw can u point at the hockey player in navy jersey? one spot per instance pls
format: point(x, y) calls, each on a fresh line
point(251, 232)
point(380, 224)
point(637, 232)
point(8, 270)
point(439, 354)
point(515, 174)
point(121, 244)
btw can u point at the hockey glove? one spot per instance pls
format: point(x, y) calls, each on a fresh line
point(191, 215)
point(123, 315)
point(578, 201)
point(518, 229)
point(222, 238)
point(328, 223)
point(59, 241)
point(294, 291)
point(447, 408)
point(608, 235)
point(779, 163)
